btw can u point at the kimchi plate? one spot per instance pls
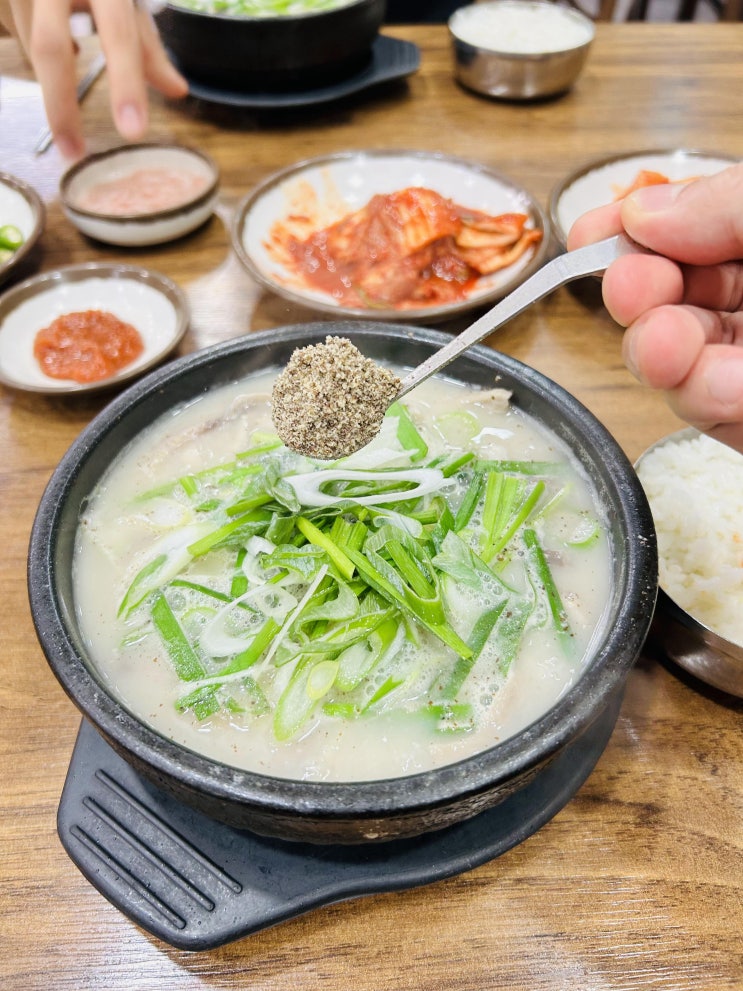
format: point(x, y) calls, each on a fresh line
point(385, 235)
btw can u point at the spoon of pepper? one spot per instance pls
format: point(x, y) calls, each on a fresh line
point(330, 400)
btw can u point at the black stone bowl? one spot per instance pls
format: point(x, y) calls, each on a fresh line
point(271, 54)
point(340, 812)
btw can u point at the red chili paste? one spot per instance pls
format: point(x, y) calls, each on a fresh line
point(86, 346)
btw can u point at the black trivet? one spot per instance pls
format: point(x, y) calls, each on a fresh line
point(197, 884)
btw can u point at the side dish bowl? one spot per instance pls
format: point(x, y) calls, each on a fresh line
point(270, 53)
point(519, 49)
point(326, 812)
point(603, 180)
point(141, 194)
point(687, 636)
point(22, 208)
point(319, 192)
point(153, 304)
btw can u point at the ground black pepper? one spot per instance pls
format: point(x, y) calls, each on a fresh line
point(330, 400)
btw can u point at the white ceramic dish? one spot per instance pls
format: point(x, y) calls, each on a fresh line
point(147, 227)
point(346, 182)
point(599, 182)
point(147, 300)
point(21, 206)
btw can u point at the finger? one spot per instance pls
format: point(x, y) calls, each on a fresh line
point(727, 433)
point(117, 25)
point(595, 225)
point(635, 284)
point(20, 23)
point(712, 393)
point(52, 54)
point(700, 223)
point(662, 347)
point(691, 356)
point(719, 287)
point(159, 70)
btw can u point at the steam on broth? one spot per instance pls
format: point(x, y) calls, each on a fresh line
point(396, 611)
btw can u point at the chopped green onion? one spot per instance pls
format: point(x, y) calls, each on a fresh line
point(11, 237)
point(536, 557)
point(407, 432)
point(181, 653)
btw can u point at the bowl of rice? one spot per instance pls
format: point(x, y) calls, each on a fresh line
point(519, 49)
point(693, 484)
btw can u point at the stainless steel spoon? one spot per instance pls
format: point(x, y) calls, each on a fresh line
point(356, 423)
point(591, 260)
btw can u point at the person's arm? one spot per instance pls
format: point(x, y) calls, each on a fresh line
point(134, 57)
point(683, 309)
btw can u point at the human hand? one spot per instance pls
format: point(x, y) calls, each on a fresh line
point(683, 308)
point(134, 57)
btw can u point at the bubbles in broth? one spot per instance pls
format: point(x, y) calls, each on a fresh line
point(396, 611)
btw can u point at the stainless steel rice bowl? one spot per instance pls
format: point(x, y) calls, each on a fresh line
point(498, 53)
point(687, 636)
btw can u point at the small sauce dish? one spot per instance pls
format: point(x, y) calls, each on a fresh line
point(148, 301)
point(22, 209)
point(519, 49)
point(138, 195)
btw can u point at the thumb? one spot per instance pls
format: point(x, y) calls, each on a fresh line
point(699, 223)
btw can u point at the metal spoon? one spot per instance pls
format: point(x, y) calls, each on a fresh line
point(565, 268)
point(357, 420)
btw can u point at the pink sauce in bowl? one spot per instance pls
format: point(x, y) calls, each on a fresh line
point(144, 191)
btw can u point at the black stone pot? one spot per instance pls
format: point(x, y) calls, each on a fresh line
point(271, 54)
point(366, 811)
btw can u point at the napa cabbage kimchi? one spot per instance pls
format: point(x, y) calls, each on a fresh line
point(408, 249)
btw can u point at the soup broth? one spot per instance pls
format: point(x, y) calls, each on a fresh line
point(407, 607)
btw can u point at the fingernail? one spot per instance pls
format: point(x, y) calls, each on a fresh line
point(129, 121)
point(656, 199)
point(68, 147)
point(724, 381)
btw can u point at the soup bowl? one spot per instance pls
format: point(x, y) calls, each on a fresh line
point(302, 46)
point(363, 811)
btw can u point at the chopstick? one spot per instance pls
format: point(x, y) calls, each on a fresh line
point(96, 68)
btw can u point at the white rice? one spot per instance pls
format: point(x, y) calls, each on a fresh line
point(521, 28)
point(695, 490)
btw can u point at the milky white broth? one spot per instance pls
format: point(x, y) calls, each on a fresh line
point(116, 536)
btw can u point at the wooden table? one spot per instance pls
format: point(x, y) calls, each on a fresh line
point(638, 881)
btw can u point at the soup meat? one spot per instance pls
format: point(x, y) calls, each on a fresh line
point(402, 609)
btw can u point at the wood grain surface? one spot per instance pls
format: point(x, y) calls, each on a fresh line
point(637, 883)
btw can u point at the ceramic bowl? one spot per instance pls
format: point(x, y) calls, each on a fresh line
point(94, 201)
point(326, 812)
point(270, 54)
point(684, 636)
point(150, 302)
point(21, 207)
point(603, 180)
point(519, 49)
point(328, 188)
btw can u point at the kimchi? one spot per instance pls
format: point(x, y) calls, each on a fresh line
point(646, 177)
point(407, 249)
